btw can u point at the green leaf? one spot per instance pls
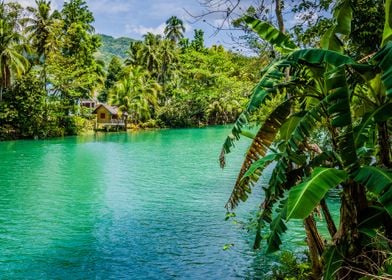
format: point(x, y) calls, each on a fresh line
point(362, 131)
point(248, 134)
point(277, 228)
point(269, 33)
point(383, 58)
point(330, 41)
point(333, 261)
point(342, 26)
point(319, 57)
point(271, 76)
point(260, 164)
point(288, 126)
point(304, 197)
point(343, 16)
point(387, 34)
point(340, 113)
point(259, 147)
point(378, 181)
point(383, 113)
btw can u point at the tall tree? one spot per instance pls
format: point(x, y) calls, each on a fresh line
point(74, 70)
point(150, 53)
point(113, 75)
point(174, 29)
point(12, 46)
point(198, 40)
point(136, 94)
point(39, 28)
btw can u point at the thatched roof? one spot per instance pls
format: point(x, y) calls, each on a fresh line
point(112, 109)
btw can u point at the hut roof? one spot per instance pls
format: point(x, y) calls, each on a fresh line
point(112, 109)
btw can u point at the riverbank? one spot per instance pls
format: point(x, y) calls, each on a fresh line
point(78, 125)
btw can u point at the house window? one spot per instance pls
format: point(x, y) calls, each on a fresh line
point(102, 116)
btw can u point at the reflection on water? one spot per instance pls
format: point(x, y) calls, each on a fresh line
point(145, 205)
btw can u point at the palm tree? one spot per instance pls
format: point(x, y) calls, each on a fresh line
point(135, 94)
point(12, 61)
point(134, 54)
point(174, 29)
point(39, 30)
point(149, 54)
point(168, 57)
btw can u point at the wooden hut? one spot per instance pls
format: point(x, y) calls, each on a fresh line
point(107, 117)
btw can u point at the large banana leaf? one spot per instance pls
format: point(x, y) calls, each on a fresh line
point(304, 197)
point(383, 59)
point(342, 26)
point(305, 126)
point(257, 150)
point(269, 33)
point(321, 57)
point(387, 34)
point(271, 76)
point(277, 228)
point(259, 165)
point(340, 113)
point(288, 126)
point(378, 181)
point(362, 130)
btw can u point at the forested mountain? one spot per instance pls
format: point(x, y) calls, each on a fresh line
point(113, 47)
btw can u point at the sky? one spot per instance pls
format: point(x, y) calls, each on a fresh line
point(133, 18)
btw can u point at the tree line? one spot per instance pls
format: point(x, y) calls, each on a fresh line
point(48, 66)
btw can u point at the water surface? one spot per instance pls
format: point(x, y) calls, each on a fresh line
point(137, 205)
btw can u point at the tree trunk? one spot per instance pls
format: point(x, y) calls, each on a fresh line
point(384, 144)
point(279, 15)
point(316, 246)
point(348, 237)
point(44, 74)
point(328, 218)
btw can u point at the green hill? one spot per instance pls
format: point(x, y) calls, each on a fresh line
point(113, 47)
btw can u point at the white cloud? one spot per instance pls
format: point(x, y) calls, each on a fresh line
point(141, 29)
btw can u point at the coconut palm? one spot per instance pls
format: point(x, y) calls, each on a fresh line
point(136, 94)
point(174, 29)
point(12, 61)
point(168, 57)
point(39, 28)
point(134, 53)
point(149, 53)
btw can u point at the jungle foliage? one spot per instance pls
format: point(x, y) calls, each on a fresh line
point(331, 130)
point(50, 62)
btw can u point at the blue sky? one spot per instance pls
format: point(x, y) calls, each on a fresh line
point(133, 18)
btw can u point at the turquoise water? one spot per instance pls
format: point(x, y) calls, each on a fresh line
point(141, 205)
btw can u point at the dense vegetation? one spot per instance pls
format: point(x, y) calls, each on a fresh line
point(326, 126)
point(323, 106)
point(51, 60)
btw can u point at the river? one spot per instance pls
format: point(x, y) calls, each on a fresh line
point(137, 205)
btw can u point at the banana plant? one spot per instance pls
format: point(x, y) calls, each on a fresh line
point(323, 88)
